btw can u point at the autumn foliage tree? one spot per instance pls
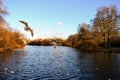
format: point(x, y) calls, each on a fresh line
point(107, 23)
point(88, 42)
point(9, 38)
point(72, 41)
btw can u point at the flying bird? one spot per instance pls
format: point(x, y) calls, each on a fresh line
point(27, 28)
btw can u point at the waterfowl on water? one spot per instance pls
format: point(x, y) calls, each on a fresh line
point(6, 69)
point(12, 72)
point(68, 74)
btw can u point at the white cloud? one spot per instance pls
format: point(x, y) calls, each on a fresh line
point(59, 23)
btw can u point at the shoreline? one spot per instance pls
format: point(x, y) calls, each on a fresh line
point(2, 50)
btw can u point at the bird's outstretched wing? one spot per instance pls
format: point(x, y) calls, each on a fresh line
point(31, 32)
point(25, 23)
point(27, 28)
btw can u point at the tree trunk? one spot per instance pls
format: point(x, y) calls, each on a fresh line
point(108, 43)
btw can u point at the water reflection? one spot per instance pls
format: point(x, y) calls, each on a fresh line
point(107, 66)
point(47, 62)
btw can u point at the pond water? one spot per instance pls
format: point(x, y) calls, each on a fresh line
point(60, 63)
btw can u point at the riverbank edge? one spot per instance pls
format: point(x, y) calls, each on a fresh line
point(99, 50)
point(2, 50)
point(110, 50)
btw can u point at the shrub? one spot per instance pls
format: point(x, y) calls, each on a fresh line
point(89, 45)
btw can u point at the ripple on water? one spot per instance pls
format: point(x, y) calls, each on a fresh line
point(47, 63)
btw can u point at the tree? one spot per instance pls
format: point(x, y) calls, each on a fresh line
point(106, 23)
point(84, 31)
point(3, 12)
point(9, 38)
point(73, 40)
point(86, 38)
point(2, 9)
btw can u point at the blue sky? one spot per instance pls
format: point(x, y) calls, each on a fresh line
point(53, 17)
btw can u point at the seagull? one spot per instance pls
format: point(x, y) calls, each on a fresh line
point(96, 68)
point(109, 79)
point(12, 72)
point(59, 71)
point(27, 28)
point(78, 70)
point(6, 69)
point(68, 74)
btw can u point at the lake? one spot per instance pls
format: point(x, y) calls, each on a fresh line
point(60, 63)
